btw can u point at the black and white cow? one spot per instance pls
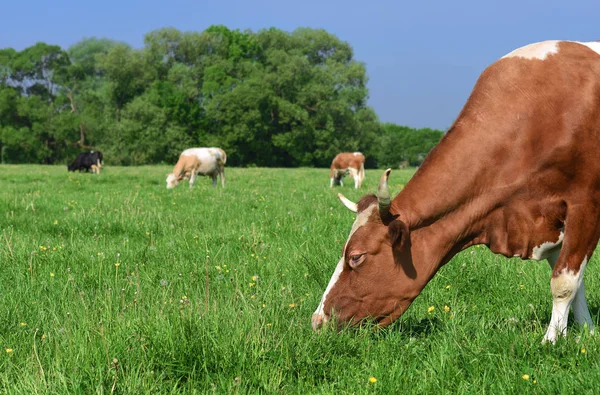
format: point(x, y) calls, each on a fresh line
point(87, 160)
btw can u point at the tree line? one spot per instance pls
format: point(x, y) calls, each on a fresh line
point(269, 98)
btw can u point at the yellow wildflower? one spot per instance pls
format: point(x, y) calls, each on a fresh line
point(372, 379)
point(430, 309)
point(117, 264)
point(55, 222)
point(447, 286)
point(254, 278)
point(446, 309)
point(9, 350)
point(251, 284)
point(292, 305)
point(525, 377)
point(43, 336)
point(583, 350)
point(23, 324)
point(269, 325)
point(51, 274)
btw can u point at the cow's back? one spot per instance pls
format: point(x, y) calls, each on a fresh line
point(210, 158)
point(522, 150)
point(346, 160)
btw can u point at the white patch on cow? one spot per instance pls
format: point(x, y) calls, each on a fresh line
point(594, 46)
point(319, 316)
point(544, 250)
point(564, 287)
point(539, 50)
point(357, 153)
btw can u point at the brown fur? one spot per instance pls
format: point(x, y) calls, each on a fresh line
point(518, 166)
point(185, 166)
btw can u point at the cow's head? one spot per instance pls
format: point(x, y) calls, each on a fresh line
point(374, 277)
point(172, 181)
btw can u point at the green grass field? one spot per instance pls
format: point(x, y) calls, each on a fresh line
point(113, 283)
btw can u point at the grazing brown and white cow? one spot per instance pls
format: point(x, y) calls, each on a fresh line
point(194, 161)
point(518, 171)
point(352, 163)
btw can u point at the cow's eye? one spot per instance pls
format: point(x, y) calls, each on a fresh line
point(356, 259)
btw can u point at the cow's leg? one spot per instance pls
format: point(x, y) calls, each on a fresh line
point(581, 311)
point(341, 181)
point(354, 175)
point(361, 175)
point(331, 182)
point(192, 178)
point(214, 178)
point(580, 240)
point(223, 177)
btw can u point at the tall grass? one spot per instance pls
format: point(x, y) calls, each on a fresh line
point(112, 283)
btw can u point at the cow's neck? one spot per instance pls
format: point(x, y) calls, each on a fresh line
point(442, 204)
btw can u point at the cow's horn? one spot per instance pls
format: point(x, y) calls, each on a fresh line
point(349, 204)
point(383, 194)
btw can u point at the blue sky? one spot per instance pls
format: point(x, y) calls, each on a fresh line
point(422, 57)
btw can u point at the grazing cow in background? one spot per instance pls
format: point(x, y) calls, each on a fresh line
point(344, 163)
point(518, 171)
point(87, 160)
point(194, 161)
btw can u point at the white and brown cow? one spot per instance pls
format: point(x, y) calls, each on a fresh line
point(352, 163)
point(518, 171)
point(194, 161)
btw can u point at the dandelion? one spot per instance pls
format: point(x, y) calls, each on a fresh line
point(446, 309)
point(23, 324)
point(218, 267)
point(430, 309)
point(583, 350)
point(372, 379)
point(117, 264)
point(447, 286)
point(269, 325)
point(292, 305)
point(164, 283)
point(521, 286)
point(43, 336)
point(525, 377)
point(254, 278)
point(9, 350)
point(307, 294)
point(252, 297)
point(252, 255)
point(251, 284)
point(55, 222)
point(51, 274)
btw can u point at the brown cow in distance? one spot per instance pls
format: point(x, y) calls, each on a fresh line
point(518, 171)
point(352, 163)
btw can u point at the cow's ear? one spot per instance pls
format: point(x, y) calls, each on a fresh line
point(398, 232)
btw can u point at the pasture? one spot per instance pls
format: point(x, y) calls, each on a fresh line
point(113, 283)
